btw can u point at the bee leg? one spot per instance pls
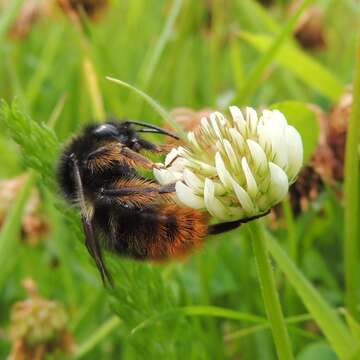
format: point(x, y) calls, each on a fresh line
point(227, 226)
point(126, 191)
point(128, 156)
point(98, 152)
point(146, 145)
point(223, 227)
point(137, 158)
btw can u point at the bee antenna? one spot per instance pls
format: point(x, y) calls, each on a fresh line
point(90, 240)
point(156, 129)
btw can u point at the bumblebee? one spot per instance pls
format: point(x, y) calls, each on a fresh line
point(121, 210)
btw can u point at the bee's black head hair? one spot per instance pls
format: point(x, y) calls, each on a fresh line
point(126, 132)
point(122, 132)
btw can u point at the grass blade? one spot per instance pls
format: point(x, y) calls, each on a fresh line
point(97, 337)
point(164, 38)
point(94, 90)
point(326, 317)
point(51, 46)
point(352, 211)
point(253, 79)
point(155, 105)
point(300, 64)
point(11, 228)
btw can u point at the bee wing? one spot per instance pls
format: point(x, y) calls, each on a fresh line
point(91, 242)
point(94, 248)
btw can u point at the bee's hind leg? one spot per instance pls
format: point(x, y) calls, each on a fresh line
point(231, 225)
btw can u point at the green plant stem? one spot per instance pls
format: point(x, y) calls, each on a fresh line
point(97, 337)
point(351, 250)
point(269, 292)
point(333, 328)
point(292, 242)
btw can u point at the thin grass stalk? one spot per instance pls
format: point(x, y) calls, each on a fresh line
point(99, 335)
point(351, 187)
point(161, 44)
point(94, 90)
point(165, 115)
point(269, 292)
point(45, 66)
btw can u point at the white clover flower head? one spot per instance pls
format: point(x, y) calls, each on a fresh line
point(238, 167)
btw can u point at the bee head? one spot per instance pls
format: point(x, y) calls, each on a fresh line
point(126, 132)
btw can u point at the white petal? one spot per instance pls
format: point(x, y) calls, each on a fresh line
point(222, 172)
point(183, 152)
point(251, 119)
point(251, 185)
point(193, 181)
point(215, 125)
point(264, 139)
point(173, 154)
point(205, 125)
point(238, 118)
point(280, 117)
point(243, 197)
point(233, 158)
point(179, 164)
point(274, 118)
point(295, 152)
point(279, 184)
point(278, 145)
point(192, 140)
point(258, 156)
point(221, 119)
point(213, 205)
point(187, 196)
point(165, 177)
point(237, 140)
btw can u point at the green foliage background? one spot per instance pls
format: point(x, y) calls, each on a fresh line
point(182, 53)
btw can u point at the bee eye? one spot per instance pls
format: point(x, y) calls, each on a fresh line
point(106, 130)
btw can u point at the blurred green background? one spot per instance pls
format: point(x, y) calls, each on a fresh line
point(196, 54)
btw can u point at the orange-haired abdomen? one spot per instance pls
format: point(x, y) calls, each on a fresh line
point(180, 231)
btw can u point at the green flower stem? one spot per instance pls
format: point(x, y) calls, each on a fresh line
point(325, 316)
point(352, 211)
point(97, 337)
point(270, 295)
point(292, 245)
